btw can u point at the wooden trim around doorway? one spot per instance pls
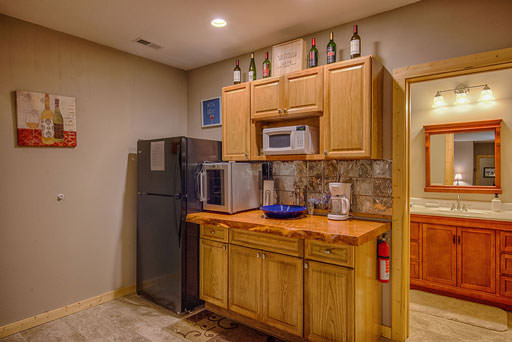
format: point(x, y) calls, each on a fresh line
point(402, 79)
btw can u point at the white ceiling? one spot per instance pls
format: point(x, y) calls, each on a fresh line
point(183, 28)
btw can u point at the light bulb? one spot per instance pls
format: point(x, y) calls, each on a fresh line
point(461, 96)
point(218, 22)
point(486, 94)
point(438, 100)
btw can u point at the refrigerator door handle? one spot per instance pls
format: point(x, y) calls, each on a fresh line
point(202, 186)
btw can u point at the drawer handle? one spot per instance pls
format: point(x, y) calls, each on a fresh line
point(327, 251)
point(224, 247)
point(263, 256)
point(212, 232)
point(257, 255)
point(306, 265)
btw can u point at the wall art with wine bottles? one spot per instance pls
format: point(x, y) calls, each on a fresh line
point(45, 119)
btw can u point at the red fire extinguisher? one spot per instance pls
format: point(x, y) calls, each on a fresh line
point(383, 256)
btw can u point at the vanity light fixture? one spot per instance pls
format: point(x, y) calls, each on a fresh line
point(218, 22)
point(438, 100)
point(462, 95)
point(486, 94)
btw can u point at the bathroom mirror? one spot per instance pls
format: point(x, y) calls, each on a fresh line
point(463, 157)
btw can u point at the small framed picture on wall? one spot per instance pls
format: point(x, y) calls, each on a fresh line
point(211, 115)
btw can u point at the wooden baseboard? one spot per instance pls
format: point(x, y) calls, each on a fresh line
point(48, 316)
point(385, 331)
point(509, 315)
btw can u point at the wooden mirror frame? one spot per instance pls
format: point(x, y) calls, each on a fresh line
point(473, 126)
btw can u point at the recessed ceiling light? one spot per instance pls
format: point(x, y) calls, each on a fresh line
point(218, 22)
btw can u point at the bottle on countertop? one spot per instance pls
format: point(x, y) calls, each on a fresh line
point(331, 49)
point(355, 44)
point(267, 72)
point(237, 73)
point(496, 203)
point(313, 54)
point(252, 69)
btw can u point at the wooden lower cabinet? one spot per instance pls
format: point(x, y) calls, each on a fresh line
point(329, 301)
point(213, 269)
point(282, 292)
point(464, 258)
point(439, 254)
point(289, 295)
point(245, 267)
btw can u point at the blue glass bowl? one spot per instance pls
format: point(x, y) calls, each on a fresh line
point(279, 211)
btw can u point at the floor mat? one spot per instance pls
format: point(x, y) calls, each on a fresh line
point(208, 326)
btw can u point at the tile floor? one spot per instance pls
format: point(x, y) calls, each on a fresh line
point(132, 318)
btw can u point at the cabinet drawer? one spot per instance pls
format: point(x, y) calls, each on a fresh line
point(267, 242)
point(506, 242)
point(331, 253)
point(506, 264)
point(506, 286)
point(214, 232)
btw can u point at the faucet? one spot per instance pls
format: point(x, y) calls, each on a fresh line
point(459, 206)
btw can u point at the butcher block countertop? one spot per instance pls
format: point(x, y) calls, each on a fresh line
point(352, 232)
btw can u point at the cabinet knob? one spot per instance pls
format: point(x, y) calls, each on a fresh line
point(306, 265)
point(263, 256)
point(212, 232)
point(257, 255)
point(224, 247)
point(327, 251)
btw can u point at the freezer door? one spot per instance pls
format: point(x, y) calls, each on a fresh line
point(159, 250)
point(160, 166)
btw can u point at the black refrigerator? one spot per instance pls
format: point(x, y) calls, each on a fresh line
point(168, 246)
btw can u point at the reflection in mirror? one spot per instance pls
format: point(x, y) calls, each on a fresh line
point(462, 159)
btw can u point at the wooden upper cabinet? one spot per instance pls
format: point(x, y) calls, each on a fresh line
point(329, 303)
point(282, 292)
point(353, 109)
point(245, 266)
point(236, 122)
point(439, 246)
point(293, 95)
point(213, 272)
point(476, 254)
point(266, 98)
point(303, 93)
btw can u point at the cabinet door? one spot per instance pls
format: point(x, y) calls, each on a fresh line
point(236, 120)
point(439, 254)
point(304, 93)
point(415, 251)
point(213, 272)
point(245, 281)
point(282, 292)
point(329, 303)
point(347, 109)
point(266, 98)
point(476, 254)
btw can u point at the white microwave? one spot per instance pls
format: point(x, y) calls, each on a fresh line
point(301, 139)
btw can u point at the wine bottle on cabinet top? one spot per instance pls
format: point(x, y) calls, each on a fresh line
point(252, 69)
point(331, 49)
point(355, 44)
point(267, 72)
point(237, 73)
point(313, 54)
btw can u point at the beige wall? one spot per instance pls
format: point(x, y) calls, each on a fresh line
point(425, 31)
point(56, 253)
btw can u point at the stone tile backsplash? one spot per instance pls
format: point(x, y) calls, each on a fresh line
point(298, 181)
